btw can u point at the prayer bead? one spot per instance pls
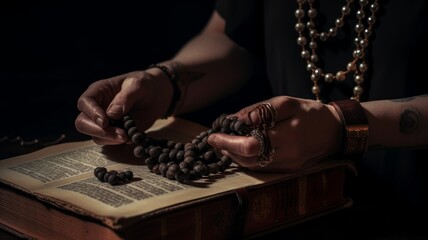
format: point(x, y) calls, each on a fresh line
point(184, 161)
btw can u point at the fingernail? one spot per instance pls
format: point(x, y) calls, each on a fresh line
point(211, 139)
point(115, 109)
point(100, 122)
point(121, 137)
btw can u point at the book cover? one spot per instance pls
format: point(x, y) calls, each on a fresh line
point(42, 191)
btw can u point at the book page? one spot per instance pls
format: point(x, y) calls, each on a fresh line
point(63, 175)
point(64, 162)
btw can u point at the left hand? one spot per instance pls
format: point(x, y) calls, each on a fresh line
point(305, 132)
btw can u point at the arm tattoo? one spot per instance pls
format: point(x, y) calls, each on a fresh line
point(409, 121)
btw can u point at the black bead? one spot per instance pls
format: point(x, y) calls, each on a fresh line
point(132, 131)
point(155, 169)
point(122, 176)
point(176, 160)
point(164, 157)
point(139, 151)
point(128, 124)
point(113, 179)
point(100, 176)
point(149, 160)
point(155, 151)
point(170, 144)
point(162, 169)
point(139, 138)
point(99, 169)
point(129, 175)
point(105, 177)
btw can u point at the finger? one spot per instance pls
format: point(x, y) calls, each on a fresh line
point(125, 99)
point(241, 145)
point(102, 141)
point(247, 162)
point(283, 108)
point(110, 134)
point(90, 107)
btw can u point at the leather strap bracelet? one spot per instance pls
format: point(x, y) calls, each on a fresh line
point(176, 90)
point(356, 127)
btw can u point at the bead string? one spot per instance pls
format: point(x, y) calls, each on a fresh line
point(113, 177)
point(184, 162)
point(357, 65)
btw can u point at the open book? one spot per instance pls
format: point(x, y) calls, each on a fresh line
point(53, 194)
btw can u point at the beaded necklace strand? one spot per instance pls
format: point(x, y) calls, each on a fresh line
point(309, 36)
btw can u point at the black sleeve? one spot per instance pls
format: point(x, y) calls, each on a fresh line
point(243, 22)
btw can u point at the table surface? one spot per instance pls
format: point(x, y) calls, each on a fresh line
point(331, 227)
point(351, 223)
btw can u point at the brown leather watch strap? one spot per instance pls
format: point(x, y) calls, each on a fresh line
point(356, 127)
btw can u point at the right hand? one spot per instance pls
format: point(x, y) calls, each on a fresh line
point(143, 94)
point(305, 132)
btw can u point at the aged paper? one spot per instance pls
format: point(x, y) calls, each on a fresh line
point(63, 175)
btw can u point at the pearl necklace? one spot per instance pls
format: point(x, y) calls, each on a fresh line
point(357, 65)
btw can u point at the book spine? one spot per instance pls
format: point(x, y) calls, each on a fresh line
point(285, 202)
point(269, 207)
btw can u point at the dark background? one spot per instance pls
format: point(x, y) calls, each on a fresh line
point(50, 52)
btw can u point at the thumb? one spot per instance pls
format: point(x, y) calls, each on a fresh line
point(124, 99)
point(278, 108)
point(240, 145)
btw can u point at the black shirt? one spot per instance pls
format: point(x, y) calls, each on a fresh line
point(391, 184)
point(400, 38)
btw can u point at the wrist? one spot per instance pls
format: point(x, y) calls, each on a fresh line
point(172, 78)
point(355, 126)
point(338, 138)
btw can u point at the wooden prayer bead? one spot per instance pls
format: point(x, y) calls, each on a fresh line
point(122, 176)
point(112, 177)
point(128, 124)
point(99, 169)
point(129, 175)
point(155, 169)
point(132, 131)
point(184, 161)
point(139, 151)
point(100, 175)
point(105, 177)
point(164, 157)
point(172, 171)
point(162, 169)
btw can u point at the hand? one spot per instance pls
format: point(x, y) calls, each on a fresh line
point(143, 94)
point(305, 132)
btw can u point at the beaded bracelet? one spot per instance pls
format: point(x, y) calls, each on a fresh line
point(176, 90)
point(356, 127)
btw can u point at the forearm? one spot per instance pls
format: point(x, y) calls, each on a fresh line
point(398, 123)
point(213, 67)
point(209, 67)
